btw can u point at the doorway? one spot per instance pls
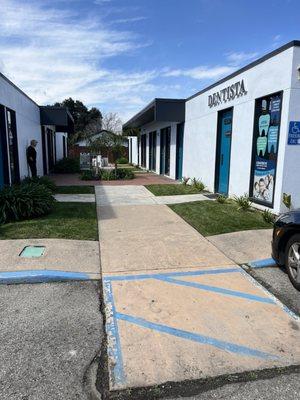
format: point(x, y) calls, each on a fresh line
point(165, 142)
point(152, 151)
point(179, 151)
point(223, 151)
point(143, 150)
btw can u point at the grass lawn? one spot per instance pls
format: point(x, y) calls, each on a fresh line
point(170, 190)
point(213, 218)
point(75, 190)
point(66, 221)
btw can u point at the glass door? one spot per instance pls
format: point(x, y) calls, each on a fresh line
point(12, 145)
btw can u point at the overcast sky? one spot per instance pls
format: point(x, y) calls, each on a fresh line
point(119, 54)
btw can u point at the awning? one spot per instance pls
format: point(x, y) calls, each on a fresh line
point(58, 116)
point(159, 110)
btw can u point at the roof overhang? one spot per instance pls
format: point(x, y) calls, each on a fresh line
point(60, 117)
point(159, 110)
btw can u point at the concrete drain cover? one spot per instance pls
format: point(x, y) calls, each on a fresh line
point(32, 251)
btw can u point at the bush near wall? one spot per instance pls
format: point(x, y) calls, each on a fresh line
point(67, 166)
point(42, 180)
point(109, 175)
point(25, 201)
point(122, 160)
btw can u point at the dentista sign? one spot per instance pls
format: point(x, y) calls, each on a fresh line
point(227, 94)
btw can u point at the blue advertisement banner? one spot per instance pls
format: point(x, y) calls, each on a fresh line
point(265, 147)
point(294, 133)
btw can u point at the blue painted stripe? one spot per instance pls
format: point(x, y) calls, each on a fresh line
point(268, 262)
point(112, 330)
point(195, 337)
point(40, 276)
point(162, 275)
point(277, 301)
point(215, 289)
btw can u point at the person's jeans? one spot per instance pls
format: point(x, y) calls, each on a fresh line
point(32, 166)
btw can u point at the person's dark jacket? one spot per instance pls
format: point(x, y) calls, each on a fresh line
point(31, 155)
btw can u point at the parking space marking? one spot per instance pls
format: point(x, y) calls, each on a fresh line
point(112, 330)
point(195, 337)
point(268, 262)
point(172, 274)
point(220, 290)
point(277, 301)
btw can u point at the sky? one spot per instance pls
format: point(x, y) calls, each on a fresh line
point(118, 55)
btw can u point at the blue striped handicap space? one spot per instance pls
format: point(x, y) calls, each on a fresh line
point(195, 337)
point(219, 290)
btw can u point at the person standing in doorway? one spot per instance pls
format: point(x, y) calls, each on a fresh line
point(31, 157)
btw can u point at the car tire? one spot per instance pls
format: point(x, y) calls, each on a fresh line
point(292, 260)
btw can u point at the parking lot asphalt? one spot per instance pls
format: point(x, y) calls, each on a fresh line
point(284, 387)
point(276, 280)
point(49, 336)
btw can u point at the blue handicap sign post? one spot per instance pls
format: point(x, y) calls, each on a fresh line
point(294, 133)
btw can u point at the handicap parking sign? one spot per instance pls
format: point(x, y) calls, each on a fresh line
point(294, 133)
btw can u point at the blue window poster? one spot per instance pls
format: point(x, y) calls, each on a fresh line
point(265, 147)
point(294, 133)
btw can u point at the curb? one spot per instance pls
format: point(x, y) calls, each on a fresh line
point(41, 276)
point(268, 262)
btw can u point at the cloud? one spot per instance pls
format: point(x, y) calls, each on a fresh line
point(128, 20)
point(53, 54)
point(236, 58)
point(100, 2)
point(201, 72)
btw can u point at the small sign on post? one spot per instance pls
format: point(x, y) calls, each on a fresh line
point(294, 133)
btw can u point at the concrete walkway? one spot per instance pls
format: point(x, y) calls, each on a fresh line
point(139, 195)
point(245, 246)
point(75, 198)
point(60, 256)
point(176, 307)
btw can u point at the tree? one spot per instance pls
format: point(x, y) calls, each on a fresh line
point(111, 122)
point(82, 115)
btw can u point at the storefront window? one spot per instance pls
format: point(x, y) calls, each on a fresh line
point(265, 148)
point(12, 143)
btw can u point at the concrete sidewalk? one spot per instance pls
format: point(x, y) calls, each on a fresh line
point(61, 255)
point(245, 246)
point(176, 307)
point(139, 195)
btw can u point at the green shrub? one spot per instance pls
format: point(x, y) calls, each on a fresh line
point(108, 174)
point(122, 160)
point(185, 180)
point(67, 166)
point(88, 176)
point(197, 184)
point(41, 180)
point(124, 173)
point(25, 201)
point(243, 202)
point(221, 198)
point(287, 200)
point(268, 216)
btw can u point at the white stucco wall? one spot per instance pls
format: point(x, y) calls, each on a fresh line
point(291, 161)
point(200, 133)
point(133, 149)
point(59, 145)
point(27, 120)
point(156, 127)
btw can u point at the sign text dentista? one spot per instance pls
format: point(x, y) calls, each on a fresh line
point(227, 94)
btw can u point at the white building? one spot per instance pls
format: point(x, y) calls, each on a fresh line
point(133, 150)
point(22, 120)
point(239, 135)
